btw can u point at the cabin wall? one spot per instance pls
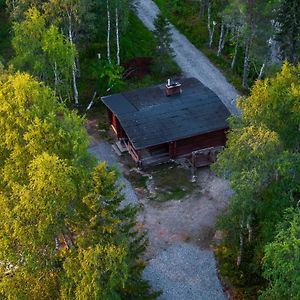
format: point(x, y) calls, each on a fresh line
point(212, 139)
point(114, 122)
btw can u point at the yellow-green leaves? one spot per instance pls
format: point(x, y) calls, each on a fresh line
point(276, 104)
point(44, 52)
point(63, 231)
point(262, 162)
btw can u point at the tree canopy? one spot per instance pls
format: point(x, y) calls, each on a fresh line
point(63, 231)
point(262, 162)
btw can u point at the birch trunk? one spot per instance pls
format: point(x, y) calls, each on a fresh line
point(117, 35)
point(55, 77)
point(261, 72)
point(221, 44)
point(74, 64)
point(246, 64)
point(201, 9)
point(211, 29)
point(235, 49)
point(108, 32)
point(249, 227)
point(239, 258)
point(78, 67)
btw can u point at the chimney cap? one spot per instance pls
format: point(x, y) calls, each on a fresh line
point(172, 88)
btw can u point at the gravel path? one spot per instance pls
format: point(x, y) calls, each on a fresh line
point(184, 272)
point(192, 61)
point(103, 151)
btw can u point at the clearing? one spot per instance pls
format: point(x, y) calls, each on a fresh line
point(179, 217)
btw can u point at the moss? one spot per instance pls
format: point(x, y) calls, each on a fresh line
point(137, 180)
point(172, 182)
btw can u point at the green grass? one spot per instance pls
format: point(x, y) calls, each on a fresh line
point(172, 182)
point(137, 180)
point(184, 15)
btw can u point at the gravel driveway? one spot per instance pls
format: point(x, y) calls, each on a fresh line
point(103, 151)
point(191, 61)
point(180, 261)
point(184, 272)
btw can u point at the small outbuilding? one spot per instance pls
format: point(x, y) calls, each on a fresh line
point(168, 121)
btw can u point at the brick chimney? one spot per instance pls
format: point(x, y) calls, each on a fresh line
point(172, 88)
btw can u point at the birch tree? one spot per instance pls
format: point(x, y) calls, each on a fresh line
point(210, 24)
point(44, 52)
point(117, 33)
point(261, 161)
point(108, 30)
point(63, 232)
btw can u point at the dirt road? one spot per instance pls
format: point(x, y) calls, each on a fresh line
point(192, 62)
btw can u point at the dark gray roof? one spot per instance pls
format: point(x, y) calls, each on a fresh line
point(150, 118)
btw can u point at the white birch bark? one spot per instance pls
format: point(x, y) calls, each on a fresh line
point(261, 72)
point(249, 227)
point(108, 31)
point(73, 64)
point(246, 64)
point(235, 49)
point(221, 43)
point(117, 35)
point(239, 258)
point(211, 27)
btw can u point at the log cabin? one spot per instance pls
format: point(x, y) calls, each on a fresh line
point(168, 121)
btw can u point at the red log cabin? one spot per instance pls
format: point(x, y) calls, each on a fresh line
point(168, 121)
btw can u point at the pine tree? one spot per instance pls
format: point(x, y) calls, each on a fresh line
point(163, 37)
point(288, 35)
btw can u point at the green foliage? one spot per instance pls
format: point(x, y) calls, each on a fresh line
point(44, 52)
point(163, 37)
point(262, 163)
point(275, 103)
point(282, 260)
point(63, 232)
point(288, 33)
point(112, 75)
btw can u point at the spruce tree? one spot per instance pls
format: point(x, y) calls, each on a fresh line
point(163, 37)
point(288, 35)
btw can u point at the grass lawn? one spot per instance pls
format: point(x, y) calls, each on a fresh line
point(172, 182)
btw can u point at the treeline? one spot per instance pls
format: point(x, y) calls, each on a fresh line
point(262, 163)
point(252, 36)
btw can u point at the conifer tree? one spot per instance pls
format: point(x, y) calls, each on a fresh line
point(288, 26)
point(163, 36)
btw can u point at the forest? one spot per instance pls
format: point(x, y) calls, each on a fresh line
point(64, 231)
